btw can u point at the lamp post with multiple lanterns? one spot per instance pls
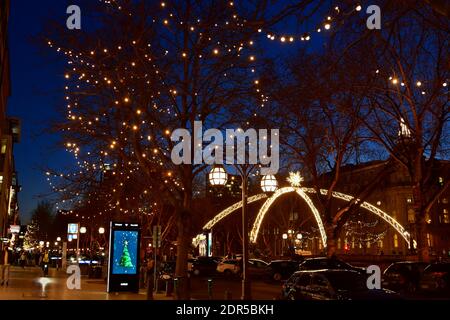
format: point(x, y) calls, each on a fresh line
point(218, 177)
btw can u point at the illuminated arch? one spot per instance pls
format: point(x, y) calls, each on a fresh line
point(266, 206)
point(366, 205)
point(255, 230)
point(230, 210)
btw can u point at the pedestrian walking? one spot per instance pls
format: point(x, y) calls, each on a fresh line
point(45, 262)
point(5, 262)
point(150, 277)
point(23, 259)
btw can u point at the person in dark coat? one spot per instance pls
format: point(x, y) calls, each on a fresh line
point(5, 263)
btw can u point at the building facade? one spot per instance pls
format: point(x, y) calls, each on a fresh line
point(394, 196)
point(9, 134)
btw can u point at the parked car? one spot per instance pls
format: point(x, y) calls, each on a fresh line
point(332, 285)
point(281, 269)
point(257, 268)
point(228, 267)
point(403, 276)
point(204, 265)
point(328, 263)
point(436, 279)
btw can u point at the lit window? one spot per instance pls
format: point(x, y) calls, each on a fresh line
point(441, 181)
point(445, 216)
point(3, 146)
point(395, 241)
point(380, 243)
point(339, 243)
point(430, 240)
point(428, 218)
point(445, 200)
point(409, 200)
point(411, 216)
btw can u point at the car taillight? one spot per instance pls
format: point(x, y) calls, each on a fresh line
point(438, 274)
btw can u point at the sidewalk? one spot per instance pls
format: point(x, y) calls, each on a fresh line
point(28, 284)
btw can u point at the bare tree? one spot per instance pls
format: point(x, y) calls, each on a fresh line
point(149, 68)
point(408, 108)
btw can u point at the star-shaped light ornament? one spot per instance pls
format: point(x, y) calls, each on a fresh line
point(295, 179)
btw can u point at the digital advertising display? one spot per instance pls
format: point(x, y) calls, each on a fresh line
point(124, 240)
point(125, 252)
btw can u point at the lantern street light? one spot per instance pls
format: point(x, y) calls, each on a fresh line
point(83, 230)
point(218, 176)
point(269, 183)
point(299, 236)
point(101, 230)
point(284, 236)
point(58, 239)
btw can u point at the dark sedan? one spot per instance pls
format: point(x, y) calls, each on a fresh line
point(205, 266)
point(328, 263)
point(403, 276)
point(281, 269)
point(332, 285)
point(436, 279)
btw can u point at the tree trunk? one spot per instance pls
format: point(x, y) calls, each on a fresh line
point(421, 224)
point(183, 244)
point(331, 242)
point(184, 217)
point(422, 241)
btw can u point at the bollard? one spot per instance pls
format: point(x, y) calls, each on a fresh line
point(175, 287)
point(150, 288)
point(169, 288)
point(228, 295)
point(210, 284)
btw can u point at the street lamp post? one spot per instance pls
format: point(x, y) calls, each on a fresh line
point(218, 177)
point(284, 236)
point(82, 231)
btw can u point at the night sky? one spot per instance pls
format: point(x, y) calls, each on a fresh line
point(37, 92)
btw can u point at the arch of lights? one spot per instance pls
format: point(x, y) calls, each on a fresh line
point(266, 206)
point(230, 210)
point(302, 192)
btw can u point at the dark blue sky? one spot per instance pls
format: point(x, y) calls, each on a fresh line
point(36, 94)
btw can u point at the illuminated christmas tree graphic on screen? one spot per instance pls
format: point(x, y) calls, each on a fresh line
point(125, 260)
